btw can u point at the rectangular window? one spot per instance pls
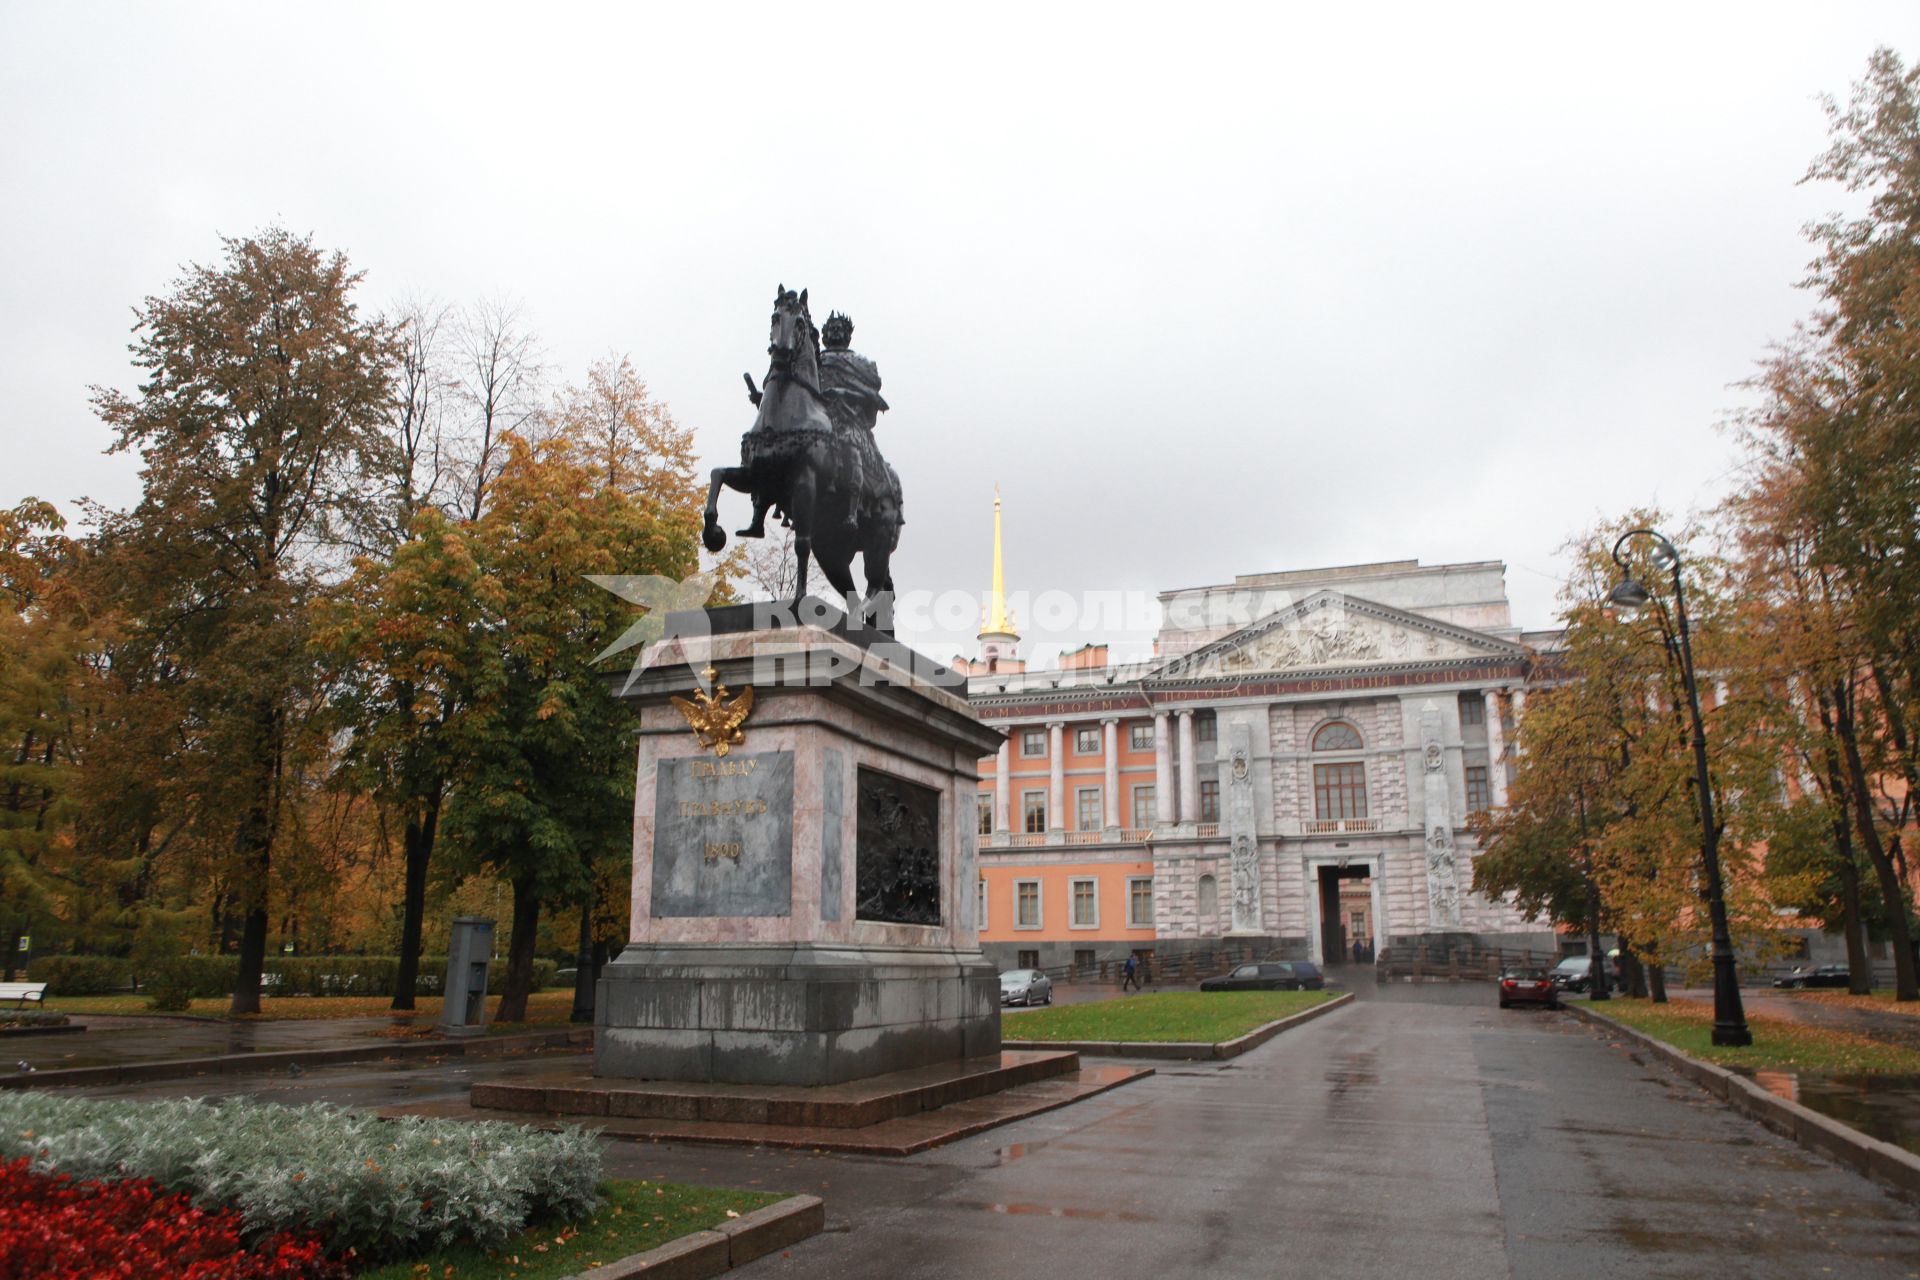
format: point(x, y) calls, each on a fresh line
point(1026, 905)
point(1479, 793)
point(1206, 727)
point(1087, 801)
point(984, 802)
point(1083, 959)
point(1473, 710)
point(1339, 791)
point(1086, 742)
point(1140, 735)
point(980, 886)
point(1140, 902)
point(1143, 806)
point(1029, 960)
point(1033, 812)
point(1086, 904)
point(1033, 743)
point(1209, 800)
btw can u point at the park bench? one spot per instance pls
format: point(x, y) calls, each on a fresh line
point(21, 992)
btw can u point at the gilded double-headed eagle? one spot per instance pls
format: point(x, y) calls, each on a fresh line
point(716, 721)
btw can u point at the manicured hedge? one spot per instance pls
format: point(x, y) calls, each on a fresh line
point(384, 1188)
point(212, 976)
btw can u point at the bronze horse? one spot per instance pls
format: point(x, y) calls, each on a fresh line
point(795, 461)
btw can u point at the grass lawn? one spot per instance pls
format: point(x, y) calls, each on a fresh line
point(1778, 1045)
point(635, 1216)
point(543, 1007)
point(1195, 1016)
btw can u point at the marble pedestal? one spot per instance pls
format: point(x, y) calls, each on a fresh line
point(803, 907)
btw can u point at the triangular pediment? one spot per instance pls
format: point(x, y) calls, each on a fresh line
point(1331, 630)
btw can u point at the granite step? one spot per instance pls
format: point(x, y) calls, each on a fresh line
point(902, 1135)
point(858, 1104)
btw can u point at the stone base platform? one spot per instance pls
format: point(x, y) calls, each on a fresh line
point(895, 1114)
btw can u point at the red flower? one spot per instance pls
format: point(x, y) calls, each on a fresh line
point(59, 1229)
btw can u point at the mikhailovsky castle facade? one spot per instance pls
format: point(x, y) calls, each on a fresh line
point(1294, 768)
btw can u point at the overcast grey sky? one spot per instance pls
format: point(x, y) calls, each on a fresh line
point(1206, 289)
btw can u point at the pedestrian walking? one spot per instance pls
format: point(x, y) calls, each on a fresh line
point(1129, 978)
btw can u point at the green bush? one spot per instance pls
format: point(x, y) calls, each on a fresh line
point(210, 977)
point(82, 975)
point(169, 985)
point(383, 1187)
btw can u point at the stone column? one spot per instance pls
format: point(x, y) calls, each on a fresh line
point(1003, 789)
point(1056, 777)
point(1110, 739)
point(1162, 771)
point(1496, 750)
point(1189, 775)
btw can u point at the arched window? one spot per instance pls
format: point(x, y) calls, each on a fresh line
point(1339, 790)
point(1209, 898)
point(1337, 735)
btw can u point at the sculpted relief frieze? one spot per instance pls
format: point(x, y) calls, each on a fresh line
point(1331, 637)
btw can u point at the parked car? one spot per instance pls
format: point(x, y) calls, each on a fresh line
point(1827, 975)
point(1528, 986)
point(1025, 986)
point(1573, 973)
point(1268, 975)
point(1311, 979)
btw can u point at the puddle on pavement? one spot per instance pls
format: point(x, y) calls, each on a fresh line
point(1051, 1211)
point(1883, 1107)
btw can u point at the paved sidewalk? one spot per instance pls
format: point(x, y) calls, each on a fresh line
point(110, 1042)
point(1902, 1029)
point(1421, 1132)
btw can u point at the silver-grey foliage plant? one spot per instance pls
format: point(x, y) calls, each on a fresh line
point(383, 1187)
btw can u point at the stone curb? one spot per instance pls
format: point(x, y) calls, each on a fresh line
point(1185, 1050)
point(1881, 1161)
point(250, 1063)
point(62, 1029)
point(738, 1242)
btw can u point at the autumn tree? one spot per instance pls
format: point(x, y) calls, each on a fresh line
point(260, 419)
point(496, 384)
point(411, 630)
point(50, 676)
point(549, 781)
point(1835, 495)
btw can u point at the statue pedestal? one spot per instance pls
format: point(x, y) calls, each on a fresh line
point(803, 906)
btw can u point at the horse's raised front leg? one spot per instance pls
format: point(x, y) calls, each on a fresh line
point(712, 536)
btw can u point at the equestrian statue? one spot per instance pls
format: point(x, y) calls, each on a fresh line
point(811, 459)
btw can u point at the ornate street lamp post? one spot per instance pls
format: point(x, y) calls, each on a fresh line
point(1729, 1019)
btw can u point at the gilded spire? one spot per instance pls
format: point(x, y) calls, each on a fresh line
point(995, 619)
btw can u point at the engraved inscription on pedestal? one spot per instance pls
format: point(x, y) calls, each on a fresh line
point(723, 836)
point(897, 851)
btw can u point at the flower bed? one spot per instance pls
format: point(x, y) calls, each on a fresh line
point(57, 1228)
point(382, 1188)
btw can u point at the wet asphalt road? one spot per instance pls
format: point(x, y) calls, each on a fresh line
point(1419, 1132)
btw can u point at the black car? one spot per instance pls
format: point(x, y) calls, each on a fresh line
point(1311, 979)
point(1573, 973)
point(1268, 975)
point(1827, 975)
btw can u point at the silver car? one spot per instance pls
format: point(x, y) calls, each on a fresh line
point(1025, 986)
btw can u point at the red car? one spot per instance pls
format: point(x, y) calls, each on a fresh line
point(1528, 986)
